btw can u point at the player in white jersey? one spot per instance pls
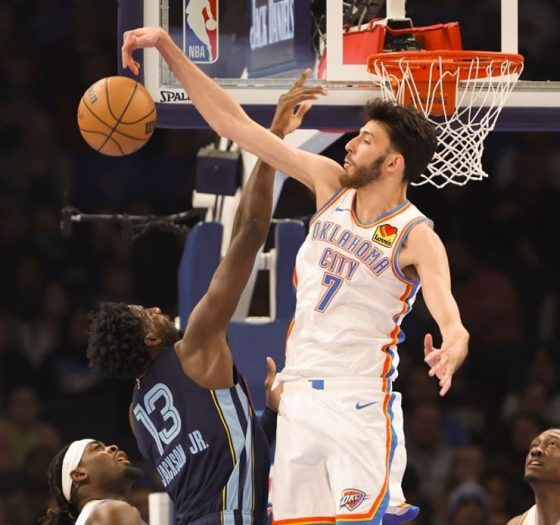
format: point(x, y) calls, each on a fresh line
point(340, 453)
point(90, 483)
point(542, 472)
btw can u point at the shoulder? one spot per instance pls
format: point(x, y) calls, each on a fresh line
point(421, 229)
point(423, 241)
point(114, 511)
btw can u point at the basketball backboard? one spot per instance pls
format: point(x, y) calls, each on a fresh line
point(256, 48)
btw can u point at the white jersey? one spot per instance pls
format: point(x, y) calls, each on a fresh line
point(87, 511)
point(531, 517)
point(351, 294)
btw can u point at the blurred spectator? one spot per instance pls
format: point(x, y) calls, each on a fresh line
point(497, 487)
point(4, 514)
point(28, 503)
point(467, 466)
point(21, 427)
point(13, 364)
point(487, 299)
point(428, 454)
point(69, 363)
point(490, 310)
point(468, 505)
point(534, 398)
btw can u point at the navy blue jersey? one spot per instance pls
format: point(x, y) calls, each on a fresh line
point(207, 446)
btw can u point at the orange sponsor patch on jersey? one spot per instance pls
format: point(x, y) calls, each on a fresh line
point(385, 235)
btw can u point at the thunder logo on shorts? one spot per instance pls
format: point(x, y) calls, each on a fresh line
point(201, 30)
point(352, 498)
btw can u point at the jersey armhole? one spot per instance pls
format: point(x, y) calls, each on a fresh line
point(406, 231)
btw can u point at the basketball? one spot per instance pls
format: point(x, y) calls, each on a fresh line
point(116, 116)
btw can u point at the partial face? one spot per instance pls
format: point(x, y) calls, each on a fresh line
point(543, 460)
point(106, 467)
point(156, 324)
point(366, 155)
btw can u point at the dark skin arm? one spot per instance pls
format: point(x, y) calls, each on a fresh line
point(204, 353)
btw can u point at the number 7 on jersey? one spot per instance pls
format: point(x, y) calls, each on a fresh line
point(332, 282)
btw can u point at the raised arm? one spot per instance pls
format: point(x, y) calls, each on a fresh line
point(425, 251)
point(211, 316)
point(225, 116)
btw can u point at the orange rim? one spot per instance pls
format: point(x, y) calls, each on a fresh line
point(468, 65)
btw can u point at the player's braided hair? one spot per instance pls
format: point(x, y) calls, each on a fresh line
point(116, 342)
point(65, 513)
point(410, 133)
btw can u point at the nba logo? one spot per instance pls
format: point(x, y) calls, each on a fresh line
point(201, 30)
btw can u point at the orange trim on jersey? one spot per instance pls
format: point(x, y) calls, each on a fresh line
point(327, 205)
point(314, 520)
point(523, 518)
point(294, 277)
point(290, 328)
point(381, 219)
point(394, 335)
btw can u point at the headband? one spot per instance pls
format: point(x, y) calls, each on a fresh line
point(71, 460)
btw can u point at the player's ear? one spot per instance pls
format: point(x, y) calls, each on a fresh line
point(394, 162)
point(79, 474)
point(151, 340)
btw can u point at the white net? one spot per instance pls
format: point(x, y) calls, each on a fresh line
point(463, 98)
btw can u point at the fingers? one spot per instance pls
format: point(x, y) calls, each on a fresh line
point(302, 78)
point(428, 344)
point(296, 96)
point(445, 384)
point(129, 41)
point(440, 365)
point(302, 110)
point(270, 371)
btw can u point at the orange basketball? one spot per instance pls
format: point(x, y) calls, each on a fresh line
point(116, 116)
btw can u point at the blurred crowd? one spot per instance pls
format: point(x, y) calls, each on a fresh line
point(465, 451)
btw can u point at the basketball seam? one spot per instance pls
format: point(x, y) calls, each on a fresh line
point(108, 125)
point(111, 111)
point(130, 122)
point(117, 143)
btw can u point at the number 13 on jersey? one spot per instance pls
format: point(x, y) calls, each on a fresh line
point(333, 283)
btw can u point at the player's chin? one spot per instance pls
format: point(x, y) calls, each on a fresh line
point(346, 180)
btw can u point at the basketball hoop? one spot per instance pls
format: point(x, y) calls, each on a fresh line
point(461, 92)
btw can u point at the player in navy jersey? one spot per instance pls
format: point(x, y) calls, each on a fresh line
point(190, 412)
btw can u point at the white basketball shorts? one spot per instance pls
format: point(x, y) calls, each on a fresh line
point(340, 454)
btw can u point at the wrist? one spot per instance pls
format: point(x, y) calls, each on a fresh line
point(278, 133)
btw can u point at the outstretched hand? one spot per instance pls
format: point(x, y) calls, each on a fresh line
point(138, 39)
point(294, 104)
point(441, 363)
point(272, 396)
